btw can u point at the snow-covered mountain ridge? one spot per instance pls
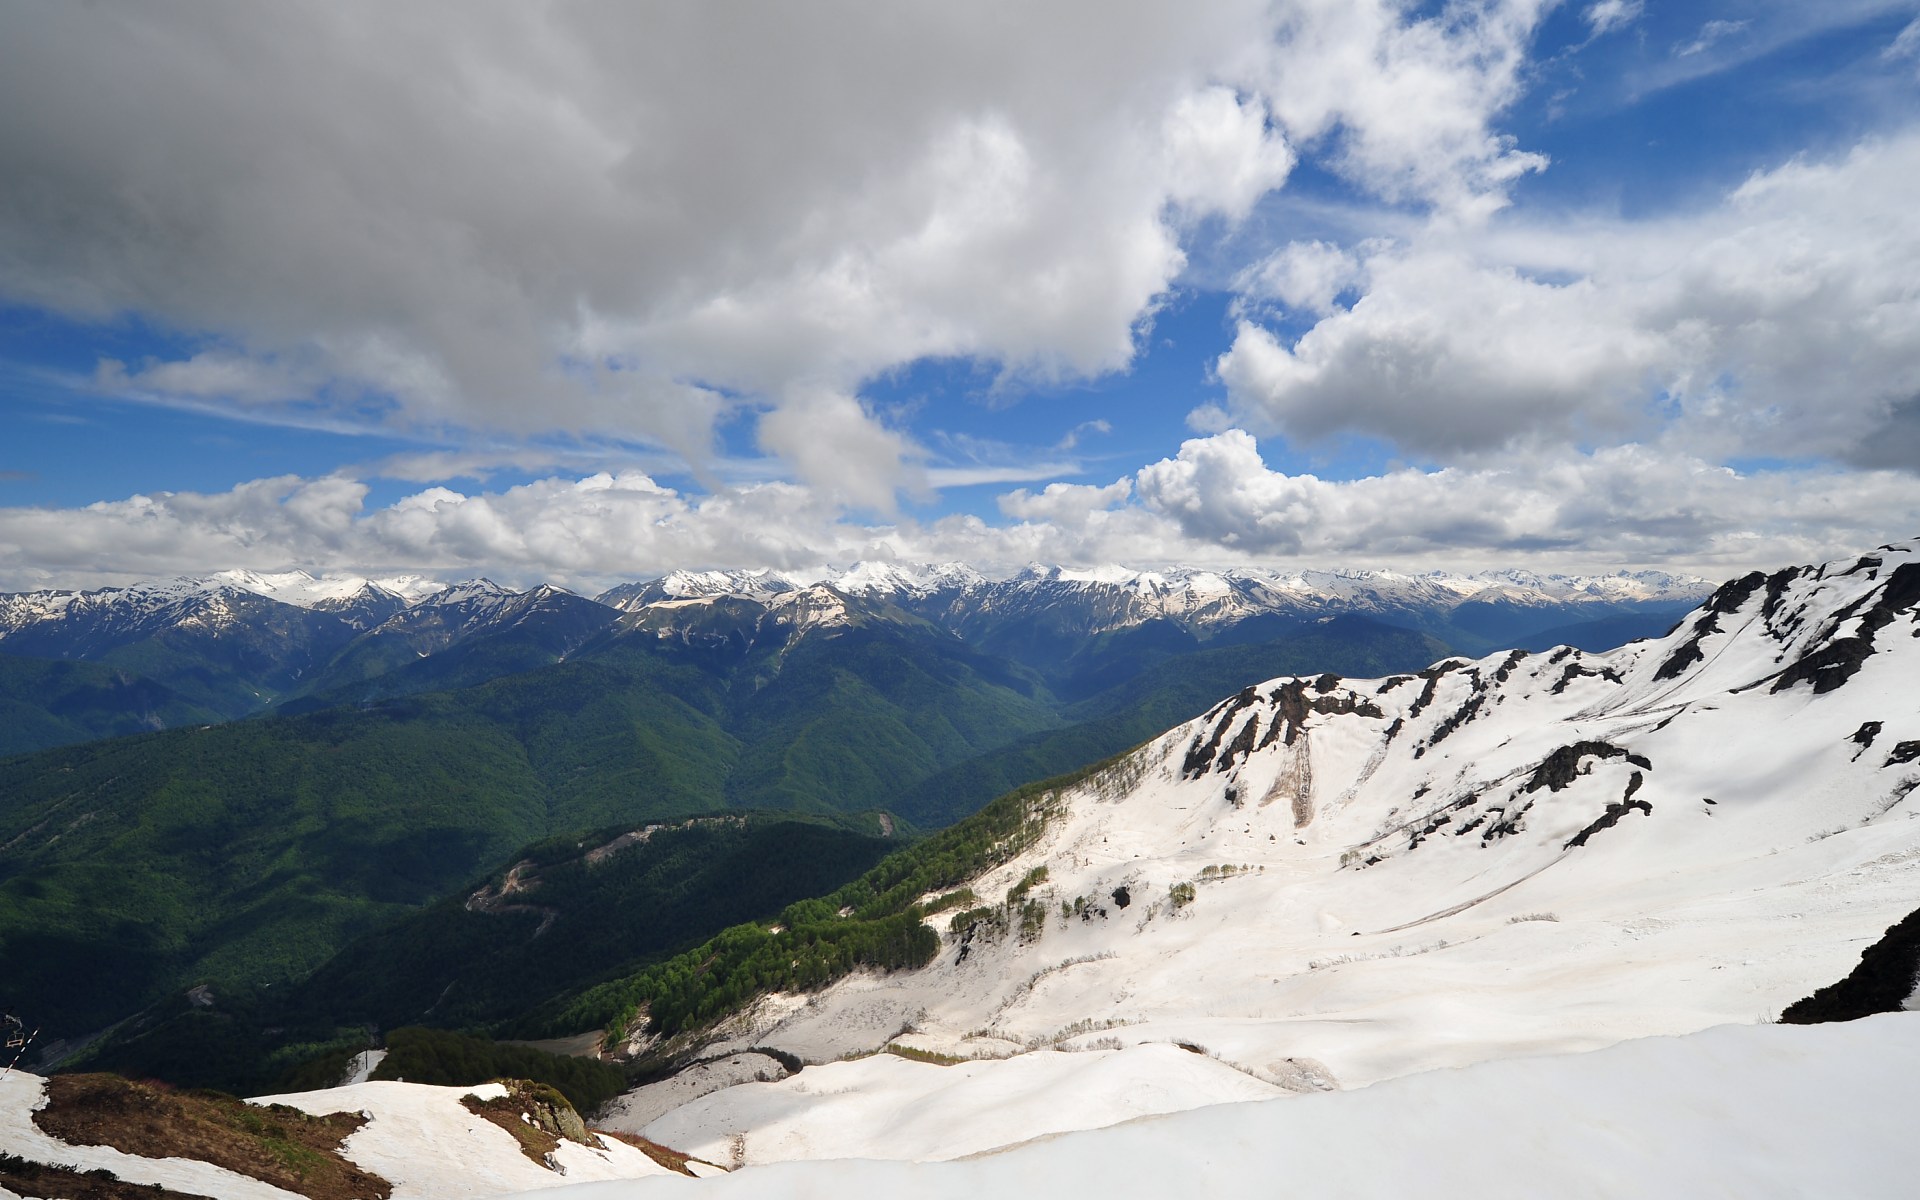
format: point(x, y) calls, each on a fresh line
point(953, 594)
point(1323, 883)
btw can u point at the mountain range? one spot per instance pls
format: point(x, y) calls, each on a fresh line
point(1322, 883)
point(237, 643)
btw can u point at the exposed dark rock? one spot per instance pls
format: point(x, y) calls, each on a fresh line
point(1728, 598)
point(1576, 670)
point(1776, 592)
point(1461, 716)
point(1830, 666)
point(1292, 707)
point(1241, 745)
point(1505, 821)
point(1432, 676)
point(1200, 754)
point(1391, 683)
point(1903, 752)
point(1562, 767)
point(1326, 683)
point(1688, 652)
point(1880, 983)
point(1863, 736)
point(1506, 668)
point(1611, 817)
point(1122, 897)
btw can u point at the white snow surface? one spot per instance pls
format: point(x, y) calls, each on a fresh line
point(902, 1109)
point(1386, 880)
point(302, 590)
point(1765, 1111)
point(421, 1140)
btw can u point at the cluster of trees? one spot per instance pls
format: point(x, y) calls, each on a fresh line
point(436, 1056)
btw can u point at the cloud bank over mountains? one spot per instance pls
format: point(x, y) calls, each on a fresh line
point(684, 243)
point(1215, 503)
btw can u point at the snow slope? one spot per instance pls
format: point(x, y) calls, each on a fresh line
point(1514, 856)
point(1820, 1110)
point(422, 1141)
point(419, 1138)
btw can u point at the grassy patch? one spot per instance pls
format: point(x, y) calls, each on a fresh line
point(930, 1057)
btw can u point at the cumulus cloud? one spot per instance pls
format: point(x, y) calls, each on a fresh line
point(1412, 102)
point(1069, 504)
point(1783, 322)
point(1307, 277)
point(1626, 504)
point(1215, 502)
point(606, 219)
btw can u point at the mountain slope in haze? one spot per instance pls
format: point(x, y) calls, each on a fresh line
point(1134, 710)
point(240, 642)
point(216, 645)
point(1322, 882)
point(49, 702)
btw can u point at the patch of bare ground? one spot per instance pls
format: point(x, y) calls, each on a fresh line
point(272, 1143)
point(666, 1156)
point(538, 1117)
point(49, 1182)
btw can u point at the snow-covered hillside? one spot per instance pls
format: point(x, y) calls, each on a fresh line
point(1737, 1112)
point(421, 1139)
point(1325, 883)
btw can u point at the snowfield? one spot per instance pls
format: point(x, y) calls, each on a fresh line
point(419, 1138)
point(1788, 1110)
point(1330, 883)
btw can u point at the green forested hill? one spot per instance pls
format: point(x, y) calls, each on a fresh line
point(48, 702)
point(580, 910)
point(250, 852)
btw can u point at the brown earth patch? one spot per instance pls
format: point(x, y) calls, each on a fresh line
point(538, 1117)
point(272, 1143)
point(666, 1156)
point(24, 1178)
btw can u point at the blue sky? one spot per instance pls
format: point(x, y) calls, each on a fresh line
point(586, 294)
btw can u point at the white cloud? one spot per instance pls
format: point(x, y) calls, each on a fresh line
point(1906, 44)
point(1216, 502)
point(630, 221)
point(1785, 322)
point(1710, 35)
point(1608, 15)
point(1625, 504)
point(1411, 102)
point(1068, 504)
point(1304, 276)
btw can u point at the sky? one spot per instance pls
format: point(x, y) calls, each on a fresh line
point(585, 292)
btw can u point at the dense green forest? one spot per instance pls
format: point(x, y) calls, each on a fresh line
point(50, 702)
point(582, 909)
